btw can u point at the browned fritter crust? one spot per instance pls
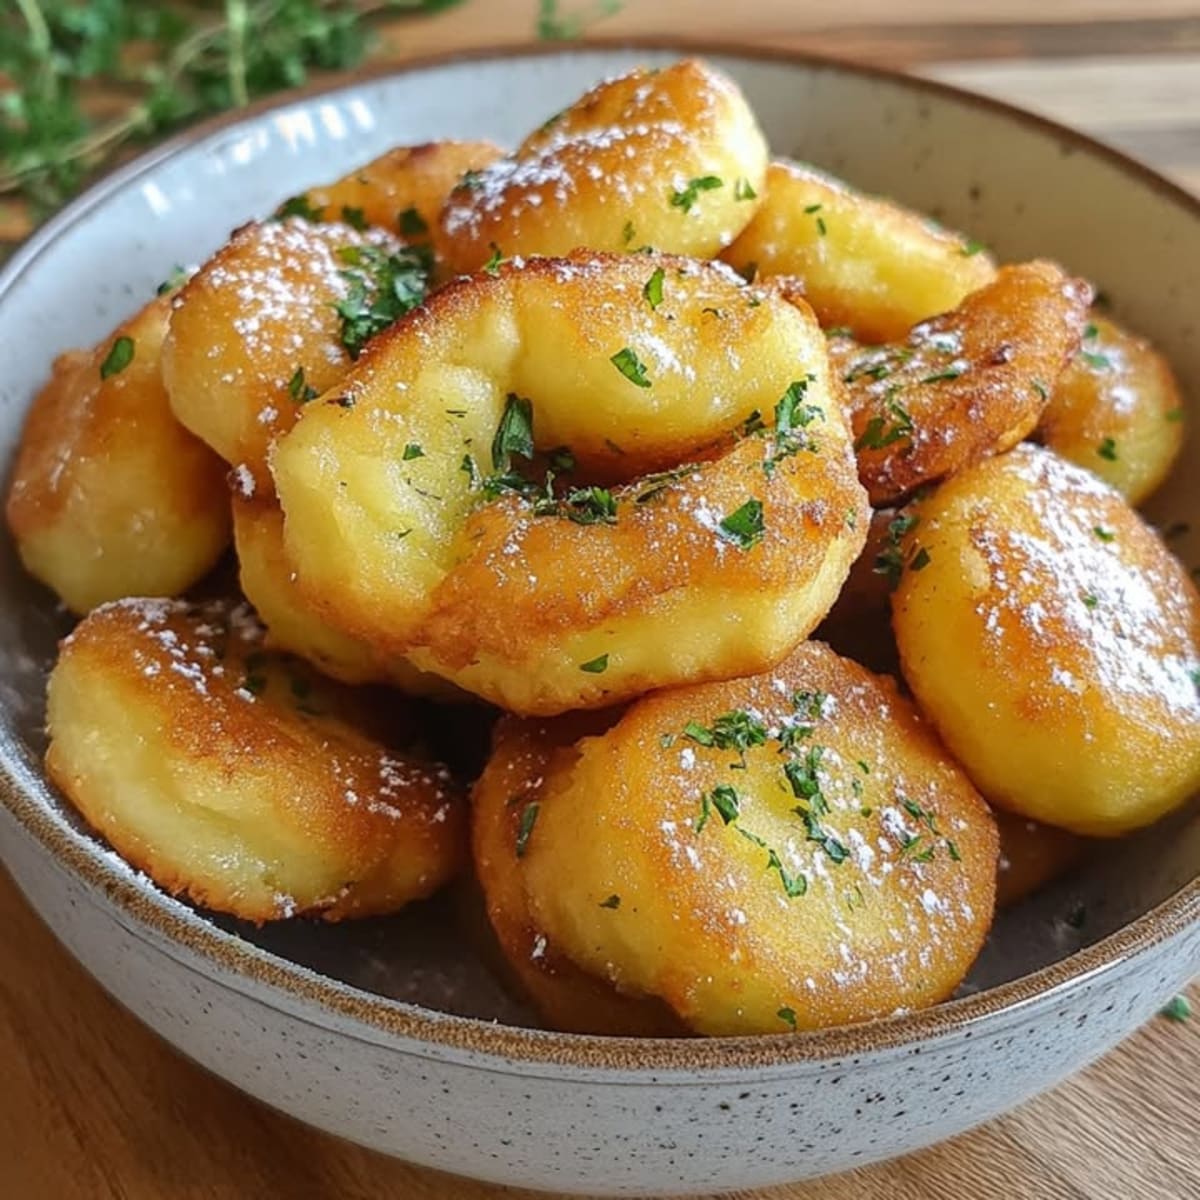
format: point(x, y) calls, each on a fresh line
point(967, 384)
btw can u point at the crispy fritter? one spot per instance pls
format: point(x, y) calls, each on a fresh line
point(791, 850)
point(669, 159)
point(240, 778)
point(110, 495)
point(866, 264)
point(1031, 856)
point(1055, 643)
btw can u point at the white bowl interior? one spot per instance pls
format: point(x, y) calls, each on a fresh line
point(1024, 188)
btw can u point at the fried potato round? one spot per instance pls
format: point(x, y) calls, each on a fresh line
point(866, 264)
point(1054, 642)
point(255, 334)
point(110, 495)
point(1117, 411)
point(1031, 856)
point(545, 600)
point(401, 191)
point(237, 778)
point(524, 754)
point(790, 850)
point(964, 385)
point(268, 582)
point(671, 159)
point(860, 623)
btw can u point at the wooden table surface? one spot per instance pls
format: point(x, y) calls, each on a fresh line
point(94, 1106)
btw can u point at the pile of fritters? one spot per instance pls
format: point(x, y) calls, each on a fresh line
point(599, 432)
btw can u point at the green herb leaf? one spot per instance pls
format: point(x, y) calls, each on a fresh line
point(1105, 535)
point(971, 247)
point(411, 224)
point(744, 190)
point(787, 1016)
point(354, 217)
point(382, 288)
point(744, 527)
point(1107, 449)
point(688, 196)
point(726, 801)
point(119, 356)
point(514, 433)
point(529, 815)
point(627, 362)
point(299, 206)
point(653, 290)
point(411, 451)
point(299, 389)
point(1098, 362)
point(492, 266)
point(595, 666)
point(1178, 1009)
point(878, 435)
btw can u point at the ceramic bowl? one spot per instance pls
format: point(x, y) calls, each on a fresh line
point(385, 1032)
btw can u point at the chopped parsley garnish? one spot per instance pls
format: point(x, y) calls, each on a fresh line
point(802, 775)
point(833, 847)
point(179, 276)
point(492, 266)
point(878, 435)
point(632, 367)
point(1098, 362)
point(890, 560)
point(744, 527)
point(653, 290)
point(1105, 535)
point(299, 206)
point(939, 376)
point(1090, 600)
point(589, 506)
point(688, 196)
point(119, 356)
point(1090, 331)
point(383, 287)
point(787, 1016)
point(725, 800)
point(972, 247)
point(1040, 388)
point(952, 847)
point(411, 223)
point(793, 884)
point(299, 389)
point(654, 484)
point(471, 180)
point(1178, 1009)
point(595, 666)
point(920, 560)
point(1107, 449)
point(613, 902)
point(737, 730)
point(354, 217)
point(744, 190)
point(529, 815)
point(792, 418)
point(561, 459)
point(628, 233)
point(514, 433)
point(810, 704)
point(411, 451)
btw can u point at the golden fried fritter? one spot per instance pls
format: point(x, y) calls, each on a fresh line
point(401, 191)
point(240, 778)
point(110, 495)
point(255, 334)
point(964, 385)
point(790, 850)
point(268, 582)
point(410, 526)
point(670, 159)
point(524, 755)
point(1054, 642)
point(1117, 411)
point(866, 264)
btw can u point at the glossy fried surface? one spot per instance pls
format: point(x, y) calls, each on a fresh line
point(671, 159)
point(964, 385)
point(867, 264)
point(790, 850)
point(239, 778)
point(1054, 642)
point(268, 582)
point(110, 495)
point(254, 335)
point(1031, 856)
point(401, 191)
point(542, 602)
point(524, 754)
point(1117, 411)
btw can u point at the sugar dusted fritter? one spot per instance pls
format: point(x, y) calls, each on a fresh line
point(401, 191)
point(671, 159)
point(788, 851)
point(110, 495)
point(257, 333)
point(410, 525)
point(269, 583)
point(964, 385)
point(1117, 411)
point(240, 778)
point(504, 807)
point(866, 264)
point(1054, 642)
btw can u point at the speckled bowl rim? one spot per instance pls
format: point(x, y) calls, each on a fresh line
point(246, 963)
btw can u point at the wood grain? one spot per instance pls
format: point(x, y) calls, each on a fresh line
point(95, 1107)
